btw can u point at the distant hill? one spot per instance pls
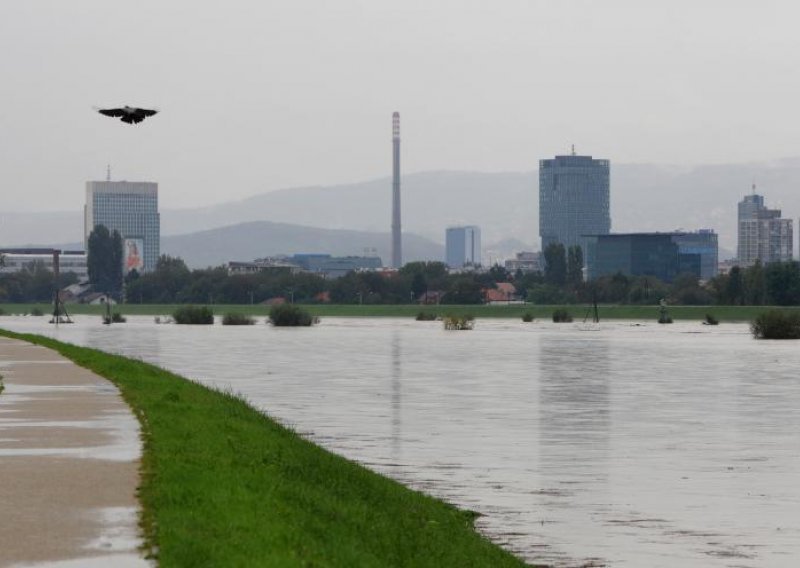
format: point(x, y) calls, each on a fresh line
point(247, 241)
point(503, 204)
point(644, 197)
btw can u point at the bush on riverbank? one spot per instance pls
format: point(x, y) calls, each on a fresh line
point(224, 485)
point(233, 318)
point(776, 324)
point(527, 317)
point(426, 316)
point(711, 320)
point(290, 315)
point(562, 316)
point(193, 315)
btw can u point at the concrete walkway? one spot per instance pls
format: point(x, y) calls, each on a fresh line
point(69, 460)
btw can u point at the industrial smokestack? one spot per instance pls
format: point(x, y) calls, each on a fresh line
point(397, 244)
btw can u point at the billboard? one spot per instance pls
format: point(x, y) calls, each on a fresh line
point(133, 252)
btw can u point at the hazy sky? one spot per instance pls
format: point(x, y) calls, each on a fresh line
point(258, 96)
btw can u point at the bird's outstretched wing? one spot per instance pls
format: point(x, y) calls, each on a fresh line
point(111, 111)
point(145, 111)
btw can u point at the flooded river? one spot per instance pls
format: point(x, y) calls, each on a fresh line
point(635, 445)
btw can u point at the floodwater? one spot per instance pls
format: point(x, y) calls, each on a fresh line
point(635, 445)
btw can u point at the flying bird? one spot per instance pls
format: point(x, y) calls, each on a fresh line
point(131, 115)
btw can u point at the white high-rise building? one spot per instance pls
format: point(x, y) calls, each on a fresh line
point(463, 246)
point(131, 208)
point(763, 234)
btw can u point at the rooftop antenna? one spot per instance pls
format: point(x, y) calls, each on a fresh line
point(573, 149)
point(108, 172)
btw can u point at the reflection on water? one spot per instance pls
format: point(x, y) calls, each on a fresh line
point(630, 446)
point(396, 406)
point(574, 432)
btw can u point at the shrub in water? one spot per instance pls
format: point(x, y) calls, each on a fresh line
point(459, 323)
point(237, 319)
point(290, 315)
point(664, 318)
point(776, 324)
point(194, 315)
point(116, 317)
point(527, 317)
point(562, 316)
point(711, 320)
point(426, 316)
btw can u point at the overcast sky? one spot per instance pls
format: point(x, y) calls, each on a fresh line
point(256, 96)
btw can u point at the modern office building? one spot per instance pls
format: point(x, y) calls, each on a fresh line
point(700, 247)
point(763, 234)
point(19, 259)
point(131, 208)
point(661, 255)
point(573, 200)
point(335, 266)
point(524, 262)
point(463, 246)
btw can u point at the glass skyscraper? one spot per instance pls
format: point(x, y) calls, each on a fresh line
point(662, 255)
point(573, 200)
point(132, 209)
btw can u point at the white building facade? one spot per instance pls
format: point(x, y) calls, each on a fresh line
point(763, 234)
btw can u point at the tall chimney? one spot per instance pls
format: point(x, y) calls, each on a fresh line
point(397, 243)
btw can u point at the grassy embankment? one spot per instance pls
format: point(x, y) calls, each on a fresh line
point(722, 313)
point(224, 485)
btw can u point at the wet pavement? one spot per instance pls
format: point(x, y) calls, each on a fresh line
point(69, 460)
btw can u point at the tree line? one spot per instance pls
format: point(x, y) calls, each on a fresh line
point(561, 282)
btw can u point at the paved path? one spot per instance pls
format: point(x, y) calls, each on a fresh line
point(69, 460)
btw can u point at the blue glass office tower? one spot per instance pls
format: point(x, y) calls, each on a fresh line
point(573, 200)
point(463, 246)
point(662, 255)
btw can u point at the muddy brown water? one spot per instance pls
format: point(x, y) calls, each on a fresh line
point(635, 445)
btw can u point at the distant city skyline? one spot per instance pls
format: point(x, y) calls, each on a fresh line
point(290, 96)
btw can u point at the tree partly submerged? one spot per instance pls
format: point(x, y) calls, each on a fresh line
point(290, 315)
point(776, 324)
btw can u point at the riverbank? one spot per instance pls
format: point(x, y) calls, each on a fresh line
point(222, 484)
point(698, 313)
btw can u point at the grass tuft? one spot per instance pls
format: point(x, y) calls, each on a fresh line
point(562, 316)
point(426, 316)
point(233, 318)
point(459, 323)
point(194, 315)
